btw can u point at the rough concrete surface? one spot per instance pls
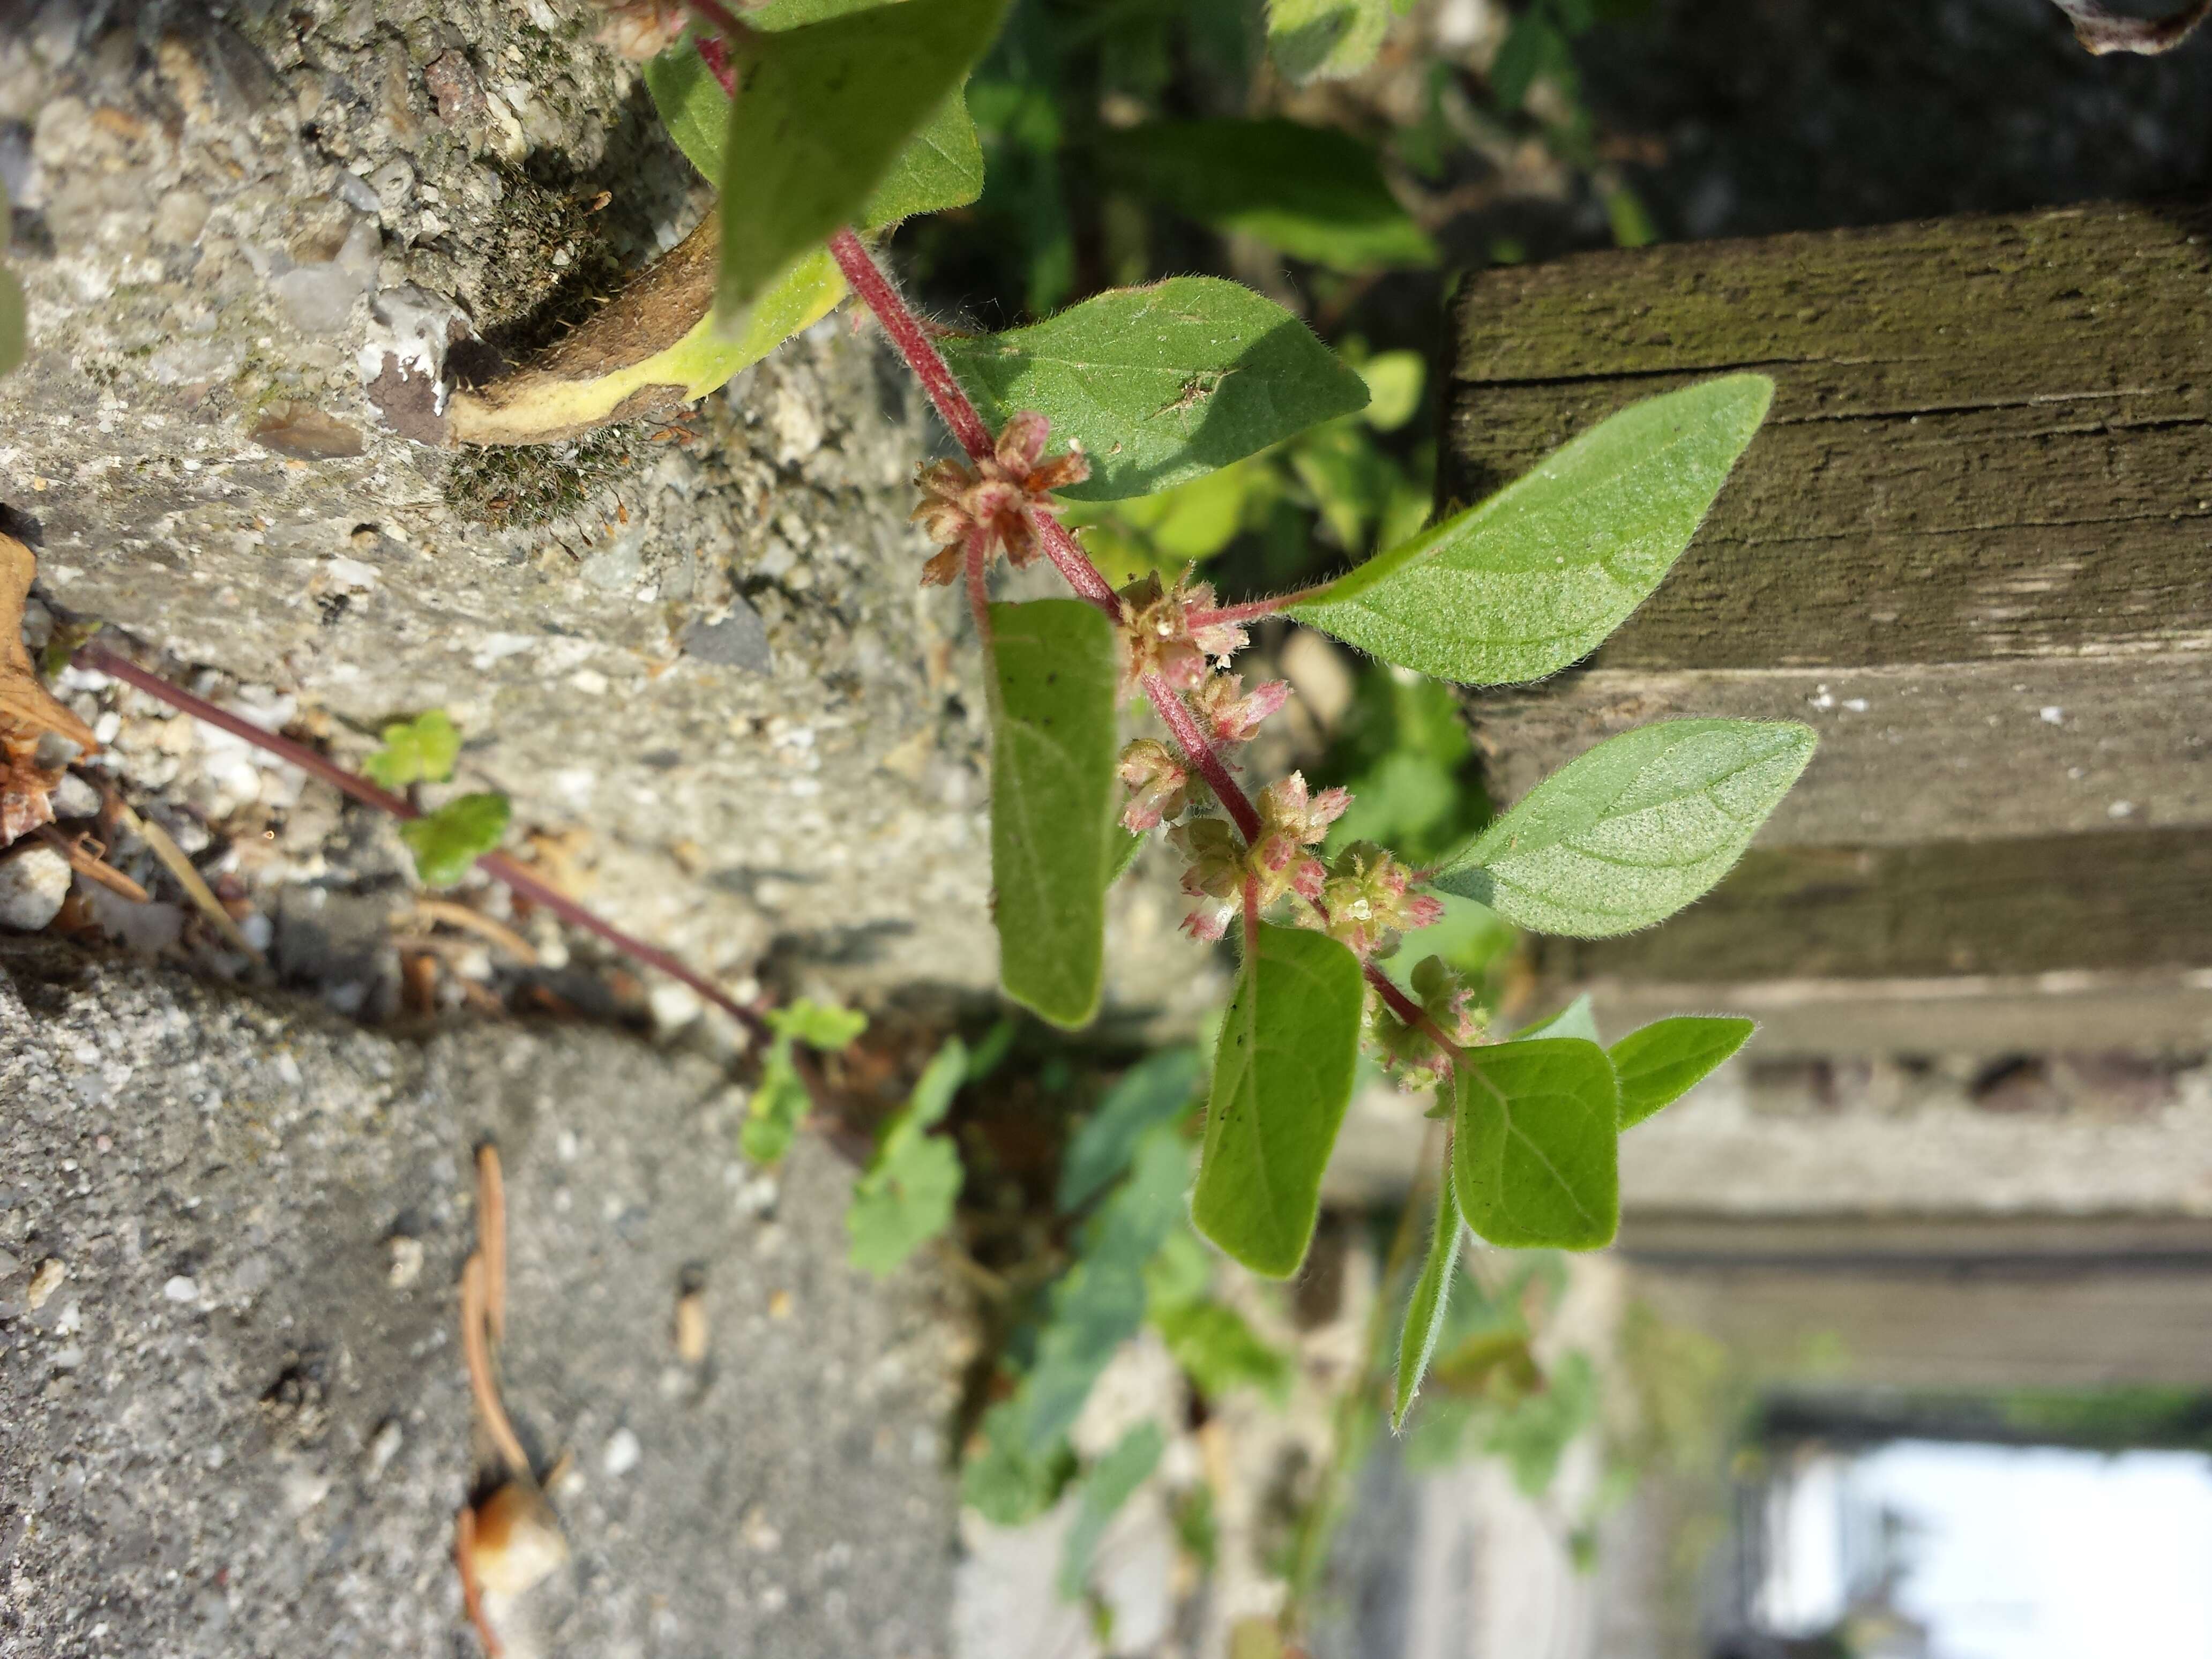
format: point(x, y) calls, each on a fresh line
point(234, 1419)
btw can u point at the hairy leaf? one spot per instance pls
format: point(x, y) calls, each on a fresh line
point(1627, 833)
point(1660, 1063)
point(1124, 845)
point(1424, 1313)
point(1221, 1352)
point(1156, 1090)
point(447, 841)
point(1317, 193)
point(1101, 1303)
point(1282, 1077)
point(821, 114)
point(905, 1197)
point(1001, 1478)
point(1160, 384)
point(1522, 585)
point(1055, 664)
point(941, 166)
point(420, 751)
point(1535, 1145)
point(1112, 1480)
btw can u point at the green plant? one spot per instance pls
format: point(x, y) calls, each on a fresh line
point(1145, 390)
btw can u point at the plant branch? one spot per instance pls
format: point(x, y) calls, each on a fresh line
point(498, 865)
point(907, 333)
point(1410, 1012)
point(1253, 610)
point(979, 595)
point(1203, 759)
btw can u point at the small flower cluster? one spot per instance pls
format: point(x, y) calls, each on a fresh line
point(1367, 903)
point(1279, 861)
point(1158, 638)
point(999, 497)
point(1410, 1052)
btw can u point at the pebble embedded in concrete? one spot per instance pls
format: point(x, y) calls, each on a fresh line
point(33, 884)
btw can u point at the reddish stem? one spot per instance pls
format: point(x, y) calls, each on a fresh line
point(979, 595)
point(1252, 610)
point(1191, 737)
point(1409, 1011)
point(497, 866)
point(911, 340)
point(1072, 561)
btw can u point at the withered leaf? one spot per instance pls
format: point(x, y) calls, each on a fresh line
point(2101, 31)
point(39, 738)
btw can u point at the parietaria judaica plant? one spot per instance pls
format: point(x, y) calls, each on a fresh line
point(1136, 391)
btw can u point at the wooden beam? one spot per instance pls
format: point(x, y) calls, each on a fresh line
point(1973, 544)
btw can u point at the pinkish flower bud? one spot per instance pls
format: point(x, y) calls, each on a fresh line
point(999, 495)
point(1158, 784)
point(1231, 714)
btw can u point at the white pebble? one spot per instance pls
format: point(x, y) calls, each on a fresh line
point(621, 1453)
point(2121, 809)
point(2052, 714)
point(182, 1289)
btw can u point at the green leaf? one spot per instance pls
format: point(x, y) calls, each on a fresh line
point(1282, 1077)
point(1317, 193)
point(941, 166)
point(420, 751)
point(906, 1195)
point(1054, 664)
point(1660, 1063)
point(447, 841)
point(1221, 1352)
point(1574, 1020)
point(1113, 1480)
point(1160, 384)
point(1424, 1313)
point(1315, 40)
point(1533, 1436)
point(1534, 1145)
point(1001, 1479)
point(780, 1102)
point(822, 115)
point(1123, 848)
point(1101, 1302)
point(1156, 1089)
point(822, 1025)
point(1532, 579)
point(1627, 833)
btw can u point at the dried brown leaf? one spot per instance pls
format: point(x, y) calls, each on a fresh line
point(31, 764)
point(2101, 31)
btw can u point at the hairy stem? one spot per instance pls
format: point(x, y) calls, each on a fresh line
point(979, 595)
point(1409, 1012)
point(905, 331)
point(1191, 737)
point(498, 865)
point(1252, 610)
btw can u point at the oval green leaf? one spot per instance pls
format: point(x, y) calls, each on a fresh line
point(821, 116)
point(1156, 1090)
point(1424, 1313)
point(1317, 193)
point(1626, 834)
point(1053, 664)
point(1160, 384)
point(1660, 1063)
point(1536, 1150)
point(1282, 1077)
point(1522, 585)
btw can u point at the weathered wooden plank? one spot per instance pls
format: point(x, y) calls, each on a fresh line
point(2156, 1012)
point(1988, 439)
point(2027, 905)
point(1958, 750)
